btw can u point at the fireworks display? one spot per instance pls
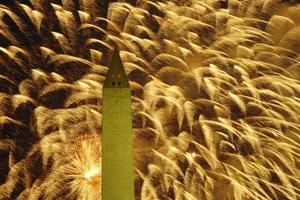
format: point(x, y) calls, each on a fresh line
point(215, 97)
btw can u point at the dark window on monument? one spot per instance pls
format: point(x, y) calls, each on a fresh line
point(113, 83)
point(119, 83)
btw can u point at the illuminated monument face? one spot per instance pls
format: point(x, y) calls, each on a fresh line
point(117, 136)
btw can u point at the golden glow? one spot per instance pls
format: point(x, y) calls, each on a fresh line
point(92, 173)
point(84, 171)
point(117, 75)
point(215, 94)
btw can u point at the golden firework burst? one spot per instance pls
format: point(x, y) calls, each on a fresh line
point(215, 92)
point(84, 170)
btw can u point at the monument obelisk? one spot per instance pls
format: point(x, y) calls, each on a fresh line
point(117, 135)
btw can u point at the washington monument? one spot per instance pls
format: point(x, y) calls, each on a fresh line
point(117, 136)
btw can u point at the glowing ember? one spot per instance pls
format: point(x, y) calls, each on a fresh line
point(94, 172)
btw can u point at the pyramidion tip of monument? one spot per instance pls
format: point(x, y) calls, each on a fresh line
point(116, 76)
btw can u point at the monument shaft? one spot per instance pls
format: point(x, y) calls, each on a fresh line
point(117, 136)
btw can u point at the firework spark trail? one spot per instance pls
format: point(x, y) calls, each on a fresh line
point(215, 98)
